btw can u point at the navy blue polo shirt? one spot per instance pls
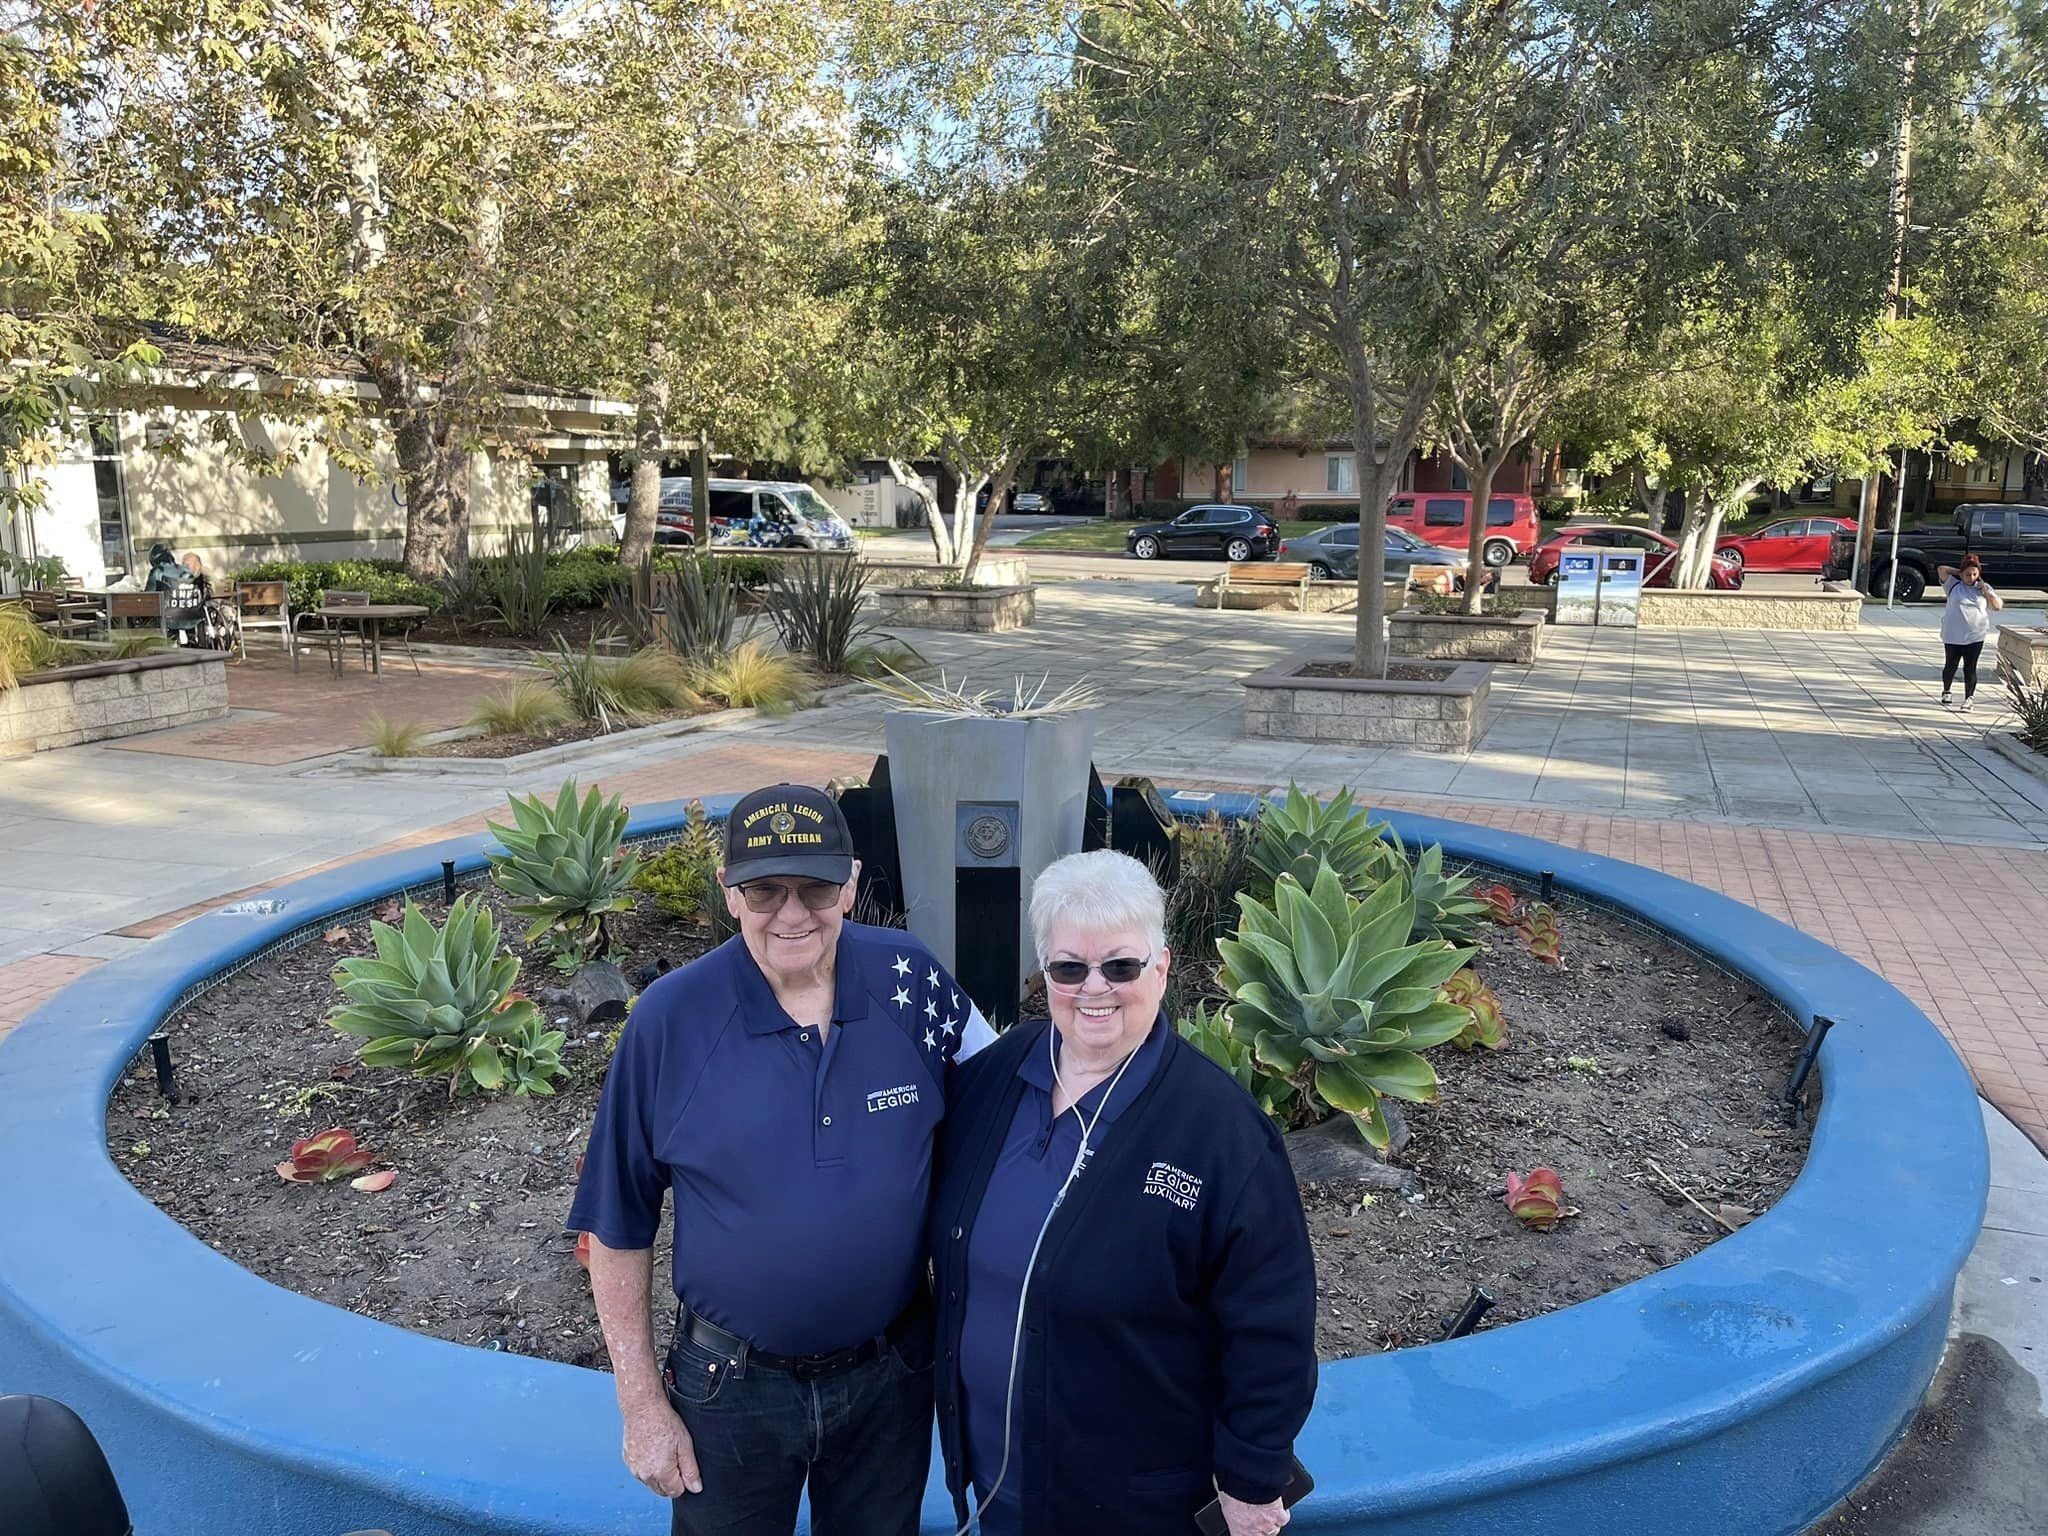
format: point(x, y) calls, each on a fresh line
point(801, 1166)
point(1037, 1155)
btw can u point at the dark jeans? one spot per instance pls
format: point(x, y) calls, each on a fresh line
point(862, 1438)
point(1967, 655)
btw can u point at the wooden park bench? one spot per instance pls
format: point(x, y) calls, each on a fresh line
point(1265, 577)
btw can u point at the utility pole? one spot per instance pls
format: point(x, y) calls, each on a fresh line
point(1901, 216)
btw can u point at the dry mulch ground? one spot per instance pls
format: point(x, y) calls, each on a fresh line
point(468, 1245)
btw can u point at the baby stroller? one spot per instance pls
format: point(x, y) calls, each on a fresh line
point(54, 1479)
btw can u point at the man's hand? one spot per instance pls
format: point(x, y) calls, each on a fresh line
point(658, 1450)
point(1251, 1519)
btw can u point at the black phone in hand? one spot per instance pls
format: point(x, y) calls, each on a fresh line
point(1209, 1518)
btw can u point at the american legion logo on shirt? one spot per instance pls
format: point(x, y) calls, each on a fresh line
point(1174, 1184)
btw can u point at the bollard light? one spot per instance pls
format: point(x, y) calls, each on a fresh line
point(448, 882)
point(1807, 1057)
point(1545, 879)
point(160, 1054)
point(1476, 1306)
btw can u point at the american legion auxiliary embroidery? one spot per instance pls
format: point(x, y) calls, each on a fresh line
point(1175, 1184)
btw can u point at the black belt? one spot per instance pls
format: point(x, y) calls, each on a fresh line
point(741, 1354)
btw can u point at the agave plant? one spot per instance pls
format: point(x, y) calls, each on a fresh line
point(1445, 907)
point(440, 1001)
point(1213, 1035)
point(1300, 833)
point(1335, 999)
point(564, 868)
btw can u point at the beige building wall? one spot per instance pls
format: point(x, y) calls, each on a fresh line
point(1270, 473)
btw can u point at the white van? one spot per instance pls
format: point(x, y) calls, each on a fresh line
point(756, 514)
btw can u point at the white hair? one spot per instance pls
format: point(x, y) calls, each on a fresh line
point(1097, 892)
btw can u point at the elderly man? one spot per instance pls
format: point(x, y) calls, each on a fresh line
point(788, 1087)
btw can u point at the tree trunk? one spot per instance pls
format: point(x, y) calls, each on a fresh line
point(643, 505)
point(998, 494)
point(435, 473)
point(1482, 474)
point(700, 489)
point(2033, 479)
point(1705, 512)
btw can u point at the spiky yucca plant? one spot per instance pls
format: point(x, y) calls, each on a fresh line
point(1300, 833)
point(564, 868)
point(440, 1001)
point(1336, 1000)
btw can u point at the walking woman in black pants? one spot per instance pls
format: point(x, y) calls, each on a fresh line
point(1967, 623)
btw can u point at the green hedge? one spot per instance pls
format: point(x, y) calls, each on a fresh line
point(384, 580)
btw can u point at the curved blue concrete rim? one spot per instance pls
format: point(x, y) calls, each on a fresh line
point(1742, 1391)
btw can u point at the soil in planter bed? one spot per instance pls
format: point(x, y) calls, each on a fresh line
point(1397, 671)
point(553, 736)
point(467, 1244)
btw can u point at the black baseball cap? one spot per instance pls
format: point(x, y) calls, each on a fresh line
point(787, 829)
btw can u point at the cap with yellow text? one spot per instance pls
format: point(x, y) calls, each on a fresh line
point(789, 829)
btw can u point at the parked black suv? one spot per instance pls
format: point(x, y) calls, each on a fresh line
point(1214, 528)
point(2011, 540)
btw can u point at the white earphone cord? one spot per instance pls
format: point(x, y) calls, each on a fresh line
point(1030, 1266)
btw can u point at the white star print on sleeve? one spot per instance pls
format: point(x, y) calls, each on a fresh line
point(930, 1043)
point(902, 966)
point(901, 999)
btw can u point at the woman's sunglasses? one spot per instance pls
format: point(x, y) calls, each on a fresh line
point(1074, 973)
point(771, 895)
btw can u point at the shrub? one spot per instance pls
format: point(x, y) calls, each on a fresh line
point(1201, 906)
point(631, 602)
point(2031, 706)
point(1445, 907)
point(610, 691)
point(703, 610)
point(683, 877)
point(517, 582)
point(519, 709)
point(879, 658)
point(395, 738)
point(441, 1001)
point(816, 603)
point(1336, 1002)
point(384, 580)
point(582, 578)
point(25, 646)
point(565, 870)
point(128, 647)
point(753, 677)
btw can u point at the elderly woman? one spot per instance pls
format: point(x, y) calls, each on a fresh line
point(1126, 1295)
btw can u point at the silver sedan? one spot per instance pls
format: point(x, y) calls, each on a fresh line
point(1332, 554)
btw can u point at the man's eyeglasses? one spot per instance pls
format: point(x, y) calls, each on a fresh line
point(1117, 971)
point(772, 895)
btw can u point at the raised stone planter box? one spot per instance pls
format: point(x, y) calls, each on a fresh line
point(104, 699)
point(2008, 745)
point(1511, 637)
point(2023, 653)
point(1446, 716)
point(1825, 610)
point(989, 571)
point(977, 610)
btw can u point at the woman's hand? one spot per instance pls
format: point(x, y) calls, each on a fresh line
point(1251, 1519)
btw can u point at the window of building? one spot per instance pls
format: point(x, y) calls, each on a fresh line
point(1240, 473)
point(1340, 475)
point(1458, 480)
point(110, 485)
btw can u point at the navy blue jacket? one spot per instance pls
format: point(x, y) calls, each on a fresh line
point(1169, 1338)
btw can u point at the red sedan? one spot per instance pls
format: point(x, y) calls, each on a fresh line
point(1723, 575)
point(1798, 544)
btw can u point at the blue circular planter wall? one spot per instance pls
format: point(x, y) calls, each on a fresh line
point(1740, 1393)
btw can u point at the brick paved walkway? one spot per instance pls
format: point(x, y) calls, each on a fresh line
point(1957, 930)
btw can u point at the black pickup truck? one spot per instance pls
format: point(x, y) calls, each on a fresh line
point(2012, 541)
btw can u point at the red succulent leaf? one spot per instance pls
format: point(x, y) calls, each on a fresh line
point(1500, 904)
point(1538, 1200)
point(291, 1175)
point(333, 1154)
point(373, 1183)
point(1541, 936)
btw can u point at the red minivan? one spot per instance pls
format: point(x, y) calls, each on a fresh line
point(1445, 517)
